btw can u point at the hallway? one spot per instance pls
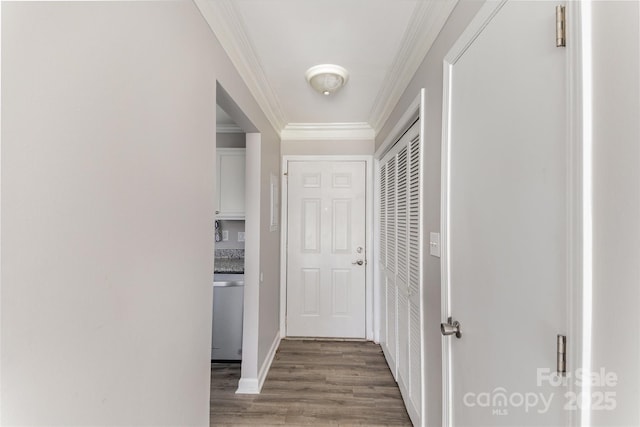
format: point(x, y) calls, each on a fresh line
point(313, 383)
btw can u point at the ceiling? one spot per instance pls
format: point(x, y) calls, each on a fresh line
point(273, 42)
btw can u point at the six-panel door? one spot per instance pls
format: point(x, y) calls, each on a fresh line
point(326, 249)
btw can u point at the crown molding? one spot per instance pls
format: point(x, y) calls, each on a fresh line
point(327, 131)
point(220, 128)
point(427, 20)
point(227, 25)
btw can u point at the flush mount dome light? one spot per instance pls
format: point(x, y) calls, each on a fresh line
point(327, 78)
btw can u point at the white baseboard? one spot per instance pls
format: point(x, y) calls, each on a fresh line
point(254, 385)
point(248, 386)
point(264, 369)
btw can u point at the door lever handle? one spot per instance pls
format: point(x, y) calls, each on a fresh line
point(451, 328)
point(358, 262)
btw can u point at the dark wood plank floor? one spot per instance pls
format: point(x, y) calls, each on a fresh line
point(318, 383)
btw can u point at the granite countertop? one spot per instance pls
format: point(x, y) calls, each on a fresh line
point(229, 265)
point(229, 261)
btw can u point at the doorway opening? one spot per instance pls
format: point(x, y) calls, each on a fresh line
point(237, 216)
point(228, 278)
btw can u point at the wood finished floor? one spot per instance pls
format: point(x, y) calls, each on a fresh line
point(321, 383)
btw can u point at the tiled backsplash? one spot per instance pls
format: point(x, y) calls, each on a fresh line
point(229, 253)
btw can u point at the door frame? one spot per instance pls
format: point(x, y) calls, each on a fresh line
point(369, 309)
point(579, 209)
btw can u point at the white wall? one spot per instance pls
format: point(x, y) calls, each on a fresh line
point(616, 201)
point(429, 76)
point(108, 117)
point(327, 147)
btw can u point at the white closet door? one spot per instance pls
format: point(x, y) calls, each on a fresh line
point(392, 294)
point(414, 259)
point(402, 269)
point(383, 253)
point(400, 239)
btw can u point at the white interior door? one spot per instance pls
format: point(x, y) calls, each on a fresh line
point(505, 218)
point(326, 249)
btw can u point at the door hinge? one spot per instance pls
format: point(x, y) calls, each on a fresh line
point(562, 355)
point(561, 27)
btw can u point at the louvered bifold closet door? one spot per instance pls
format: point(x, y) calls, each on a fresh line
point(401, 238)
point(392, 244)
point(415, 268)
point(402, 275)
point(383, 254)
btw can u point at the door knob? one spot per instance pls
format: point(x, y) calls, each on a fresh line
point(358, 262)
point(451, 328)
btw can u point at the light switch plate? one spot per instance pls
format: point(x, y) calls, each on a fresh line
point(225, 235)
point(240, 236)
point(434, 244)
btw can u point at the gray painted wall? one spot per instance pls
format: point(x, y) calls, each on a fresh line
point(108, 117)
point(231, 140)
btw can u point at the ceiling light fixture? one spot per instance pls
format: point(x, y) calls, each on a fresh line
point(327, 78)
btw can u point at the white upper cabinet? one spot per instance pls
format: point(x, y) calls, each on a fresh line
point(230, 167)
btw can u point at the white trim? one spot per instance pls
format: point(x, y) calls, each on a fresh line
point(228, 27)
point(1, 293)
point(222, 128)
point(369, 310)
point(327, 131)
point(444, 243)
point(574, 192)
point(422, 251)
point(370, 315)
point(377, 288)
point(266, 365)
point(251, 317)
point(248, 386)
point(404, 123)
point(284, 195)
point(473, 30)
point(254, 385)
point(426, 23)
point(584, 187)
